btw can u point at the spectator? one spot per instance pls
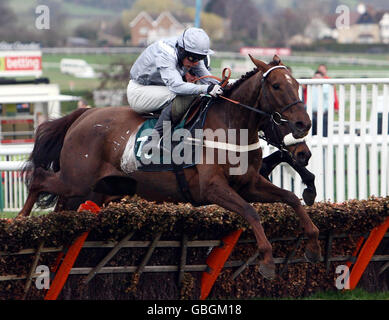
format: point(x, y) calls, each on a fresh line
point(315, 103)
point(323, 69)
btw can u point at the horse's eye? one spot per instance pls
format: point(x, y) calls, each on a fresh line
point(276, 86)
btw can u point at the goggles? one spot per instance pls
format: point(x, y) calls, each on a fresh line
point(193, 57)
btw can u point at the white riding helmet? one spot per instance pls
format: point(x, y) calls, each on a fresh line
point(195, 40)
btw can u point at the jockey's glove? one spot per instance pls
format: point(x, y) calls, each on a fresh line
point(214, 90)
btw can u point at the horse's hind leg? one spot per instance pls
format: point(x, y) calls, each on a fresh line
point(266, 192)
point(60, 205)
point(48, 182)
point(34, 190)
point(28, 205)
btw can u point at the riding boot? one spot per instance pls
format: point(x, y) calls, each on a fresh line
point(155, 141)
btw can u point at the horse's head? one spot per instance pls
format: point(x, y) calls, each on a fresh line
point(280, 137)
point(301, 153)
point(279, 97)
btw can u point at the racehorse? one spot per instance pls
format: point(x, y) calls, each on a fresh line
point(79, 156)
point(294, 152)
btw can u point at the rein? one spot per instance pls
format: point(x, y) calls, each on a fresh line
point(275, 117)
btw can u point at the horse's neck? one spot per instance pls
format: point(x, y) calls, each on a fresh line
point(237, 117)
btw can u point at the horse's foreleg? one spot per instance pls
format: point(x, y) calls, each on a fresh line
point(266, 192)
point(269, 163)
point(217, 191)
point(308, 178)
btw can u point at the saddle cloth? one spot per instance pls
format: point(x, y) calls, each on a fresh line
point(183, 152)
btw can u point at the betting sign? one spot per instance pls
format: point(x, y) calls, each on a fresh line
point(20, 63)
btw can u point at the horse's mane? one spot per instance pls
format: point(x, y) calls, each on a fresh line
point(229, 88)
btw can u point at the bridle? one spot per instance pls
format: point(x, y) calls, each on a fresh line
point(275, 117)
point(281, 142)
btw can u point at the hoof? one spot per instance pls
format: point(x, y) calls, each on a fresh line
point(309, 197)
point(267, 271)
point(312, 257)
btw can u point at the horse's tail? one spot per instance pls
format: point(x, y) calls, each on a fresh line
point(49, 139)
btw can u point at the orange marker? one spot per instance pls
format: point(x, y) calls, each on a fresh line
point(367, 252)
point(71, 256)
point(216, 260)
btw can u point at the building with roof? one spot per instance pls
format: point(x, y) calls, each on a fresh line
point(146, 28)
point(384, 27)
point(370, 27)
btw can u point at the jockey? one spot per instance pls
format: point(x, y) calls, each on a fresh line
point(157, 77)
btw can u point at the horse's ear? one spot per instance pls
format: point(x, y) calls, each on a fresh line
point(260, 64)
point(276, 60)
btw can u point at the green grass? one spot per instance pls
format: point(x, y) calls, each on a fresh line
point(101, 61)
point(325, 55)
point(356, 294)
point(8, 215)
point(87, 11)
point(13, 214)
point(104, 59)
point(70, 83)
point(98, 61)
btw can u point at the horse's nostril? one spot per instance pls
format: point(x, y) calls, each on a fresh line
point(300, 125)
point(301, 156)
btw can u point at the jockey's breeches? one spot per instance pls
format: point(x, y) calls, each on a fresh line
point(146, 99)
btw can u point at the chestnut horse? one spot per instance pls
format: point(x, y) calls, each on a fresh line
point(79, 156)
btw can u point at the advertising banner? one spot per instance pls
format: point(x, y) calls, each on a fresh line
point(20, 63)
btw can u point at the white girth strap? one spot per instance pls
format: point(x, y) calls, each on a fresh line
point(225, 146)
